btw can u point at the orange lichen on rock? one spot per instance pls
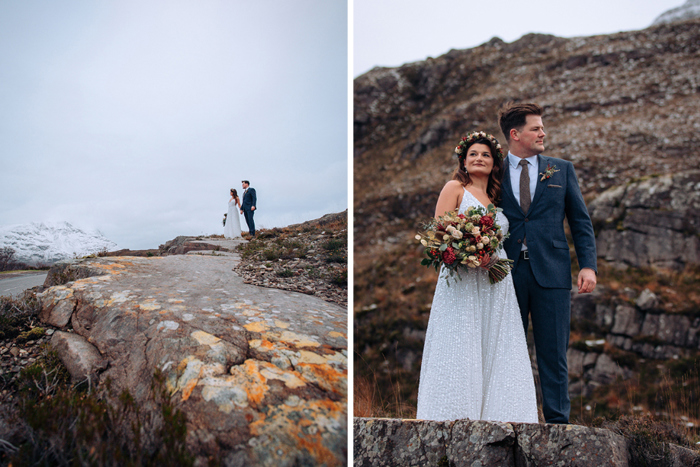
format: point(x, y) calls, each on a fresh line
point(305, 424)
point(326, 376)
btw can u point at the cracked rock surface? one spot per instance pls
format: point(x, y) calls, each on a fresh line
point(261, 373)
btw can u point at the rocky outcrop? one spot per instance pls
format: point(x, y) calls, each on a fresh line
point(393, 442)
point(260, 373)
point(632, 323)
point(652, 222)
point(182, 245)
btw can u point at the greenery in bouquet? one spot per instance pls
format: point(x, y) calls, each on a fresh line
point(466, 241)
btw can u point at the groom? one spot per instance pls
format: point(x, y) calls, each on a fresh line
point(537, 193)
point(248, 206)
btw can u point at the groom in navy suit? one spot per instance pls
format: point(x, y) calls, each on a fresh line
point(537, 193)
point(248, 206)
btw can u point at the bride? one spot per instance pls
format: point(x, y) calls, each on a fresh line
point(232, 228)
point(475, 359)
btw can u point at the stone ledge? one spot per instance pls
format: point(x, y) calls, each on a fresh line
point(393, 442)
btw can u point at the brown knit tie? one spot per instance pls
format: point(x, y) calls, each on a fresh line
point(524, 186)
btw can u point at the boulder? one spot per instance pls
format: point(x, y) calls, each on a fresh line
point(393, 442)
point(647, 300)
point(571, 445)
point(57, 306)
point(628, 321)
point(81, 358)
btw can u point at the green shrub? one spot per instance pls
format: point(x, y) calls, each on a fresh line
point(285, 273)
point(75, 426)
point(341, 277)
point(335, 244)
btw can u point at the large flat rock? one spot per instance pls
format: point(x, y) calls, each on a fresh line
point(261, 373)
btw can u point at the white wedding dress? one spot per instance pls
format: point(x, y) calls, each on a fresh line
point(232, 228)
point(475, 359)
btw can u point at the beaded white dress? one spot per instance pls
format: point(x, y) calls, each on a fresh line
point(232, 228)
point(475, 359)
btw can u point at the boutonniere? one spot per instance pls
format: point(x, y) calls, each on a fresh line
point(551, 169)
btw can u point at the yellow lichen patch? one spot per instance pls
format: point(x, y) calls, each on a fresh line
point(262, 344)
point(204, 338)
point(248, 377)
point(117, 297)
point(337, 334)
point(281, 324)
point(110, 267)
point(310, 357)
point(290, 378)
point(257, 326)
point(191, 369)
point(83, 283)
point(299, 340)
point(60, 292)
point(149, 305)
point(189, 387)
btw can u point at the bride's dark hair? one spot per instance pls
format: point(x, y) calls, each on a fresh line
point(493, 189)
point(234, 193)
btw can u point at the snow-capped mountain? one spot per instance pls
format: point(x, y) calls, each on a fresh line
point(689, 10)
point(49, 242)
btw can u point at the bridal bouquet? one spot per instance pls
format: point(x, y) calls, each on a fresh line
point(466, 241)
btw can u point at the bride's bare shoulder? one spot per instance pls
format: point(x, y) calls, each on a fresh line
point(453, 186)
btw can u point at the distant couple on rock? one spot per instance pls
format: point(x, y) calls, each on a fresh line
point(232, 223)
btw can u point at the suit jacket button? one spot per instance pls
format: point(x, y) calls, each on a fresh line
point(520, 241)
point(526, 219)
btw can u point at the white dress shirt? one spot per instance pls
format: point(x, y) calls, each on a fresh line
point(515, 169)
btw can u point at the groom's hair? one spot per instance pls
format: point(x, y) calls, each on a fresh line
point(514, 115)
point(245, 181)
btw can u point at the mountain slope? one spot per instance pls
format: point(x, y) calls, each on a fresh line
point(47, 243)
point(620, 107)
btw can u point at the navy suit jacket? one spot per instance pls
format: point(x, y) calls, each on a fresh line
point(249, 200)
point(555, 198)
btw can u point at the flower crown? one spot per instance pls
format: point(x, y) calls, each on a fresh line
point(469, 140)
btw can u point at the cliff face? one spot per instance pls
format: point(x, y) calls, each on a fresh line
point(622, 107)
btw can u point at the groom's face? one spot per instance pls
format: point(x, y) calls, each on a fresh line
point(245, 186)
point(531, 137)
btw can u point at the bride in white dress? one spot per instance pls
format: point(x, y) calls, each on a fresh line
point(475, 359)
point(232, 228)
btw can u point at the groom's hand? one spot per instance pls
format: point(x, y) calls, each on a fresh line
point(252, 208)
point(586, 280)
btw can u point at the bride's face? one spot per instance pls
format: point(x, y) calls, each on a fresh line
point(479, 160)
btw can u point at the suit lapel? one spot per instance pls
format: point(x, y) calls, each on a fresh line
point(539, 188)
point(506, 186)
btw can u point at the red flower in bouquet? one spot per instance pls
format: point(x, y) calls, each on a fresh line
point(448, 256)
point(486, 222)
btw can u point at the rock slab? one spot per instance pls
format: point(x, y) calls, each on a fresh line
point(393, 442)
point(260, 373)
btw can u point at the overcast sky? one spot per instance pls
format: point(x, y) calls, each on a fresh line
point(394, 32)
point(137, 117)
